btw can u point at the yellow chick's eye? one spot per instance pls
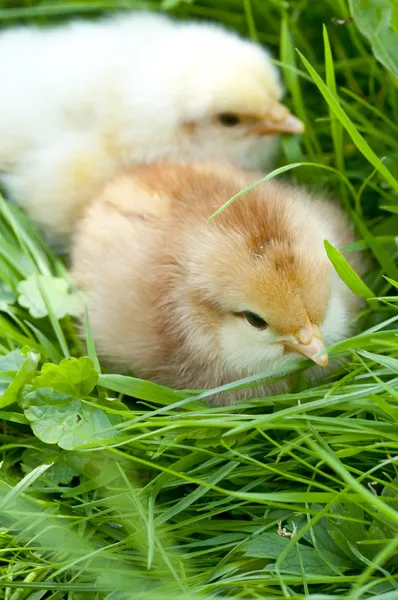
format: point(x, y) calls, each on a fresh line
point(229, 119)
point(255, 320)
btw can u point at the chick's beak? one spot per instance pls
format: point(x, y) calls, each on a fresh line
point(308, 341)
point(278, 120)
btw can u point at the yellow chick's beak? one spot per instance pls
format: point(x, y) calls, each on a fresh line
point(308, 341)
point(278, 120)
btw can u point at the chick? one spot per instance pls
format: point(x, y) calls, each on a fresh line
point(190, 303)
point(82, 100)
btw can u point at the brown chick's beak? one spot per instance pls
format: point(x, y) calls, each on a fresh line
point(309, 342)
point(278, 120)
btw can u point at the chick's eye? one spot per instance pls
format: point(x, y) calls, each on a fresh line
point(229, 119)
point(255, 320)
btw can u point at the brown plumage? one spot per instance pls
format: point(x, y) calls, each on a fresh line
point(193, 304)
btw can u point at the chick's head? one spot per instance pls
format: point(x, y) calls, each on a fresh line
point(231, 99)
point(255, 289)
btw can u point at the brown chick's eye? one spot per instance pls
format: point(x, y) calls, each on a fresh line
point(255, 320)
point(229, 119)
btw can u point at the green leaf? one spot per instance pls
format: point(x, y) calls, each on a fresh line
point(347, 273)
point(12, 361)
point(392, 281)
point(335, 126)
point(391, 208)
point(364, 340)
point(391, 491)
point(385, 258)
point(321, 531)
point(62, 300)
point(169, 4)
point(288, 59)
point(279, 171)
point(66, 465)
point(386, 361)
point(373, 20)
point(21, 487)
point(217, 540)
point(110, 403)
point(25, 373)
point(351, 129)
point(13, 417)
point(49, 351)
point(271, 545)
point(347, 529)
point(65, 420)
point(141, 389)
point(74, 376)
point(6, 298)
point(91, 351)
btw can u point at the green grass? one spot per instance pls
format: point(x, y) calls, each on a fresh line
point(163, 497)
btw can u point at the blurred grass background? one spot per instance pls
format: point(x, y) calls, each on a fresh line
point(105, 497)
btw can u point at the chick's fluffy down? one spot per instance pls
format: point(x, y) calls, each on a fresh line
point(170, 295)
point(84, 99)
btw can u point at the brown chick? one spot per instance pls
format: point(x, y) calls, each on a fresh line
point(195, 304)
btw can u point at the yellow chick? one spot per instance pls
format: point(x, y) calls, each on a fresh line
point(82, 100)
point(190, 303)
